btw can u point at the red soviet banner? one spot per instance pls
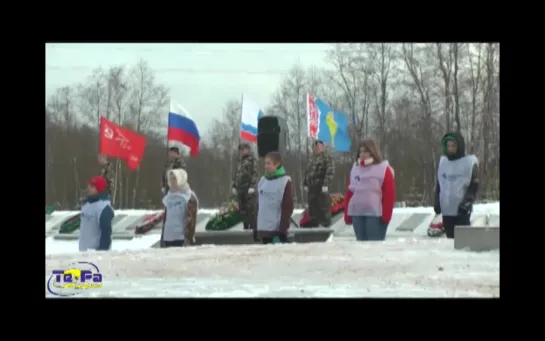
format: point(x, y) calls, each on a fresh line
point(122, 143)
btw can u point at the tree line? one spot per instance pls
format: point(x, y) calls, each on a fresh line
point(404, 96)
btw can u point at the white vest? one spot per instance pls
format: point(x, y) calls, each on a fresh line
point(89, 228)
point(176, 207)
point(366, 187)
point(454, 177)
point(270, 195)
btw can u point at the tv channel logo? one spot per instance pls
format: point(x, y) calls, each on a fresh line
point(72, 281)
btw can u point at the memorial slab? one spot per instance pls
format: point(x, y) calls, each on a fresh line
point(476, 238)
point(53, 225)
point(479, 220)
point(202, 219)
point(412, 222)
point(494, 220)
point(115, 222)
point(229, 237)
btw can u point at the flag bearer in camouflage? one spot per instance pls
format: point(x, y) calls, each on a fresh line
point(318, 176)
point(107, 172)
point(175, 161)
point(457, 183)
point(244, 185)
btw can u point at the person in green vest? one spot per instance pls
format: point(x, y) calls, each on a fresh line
point(457, 183)
point(275, 202)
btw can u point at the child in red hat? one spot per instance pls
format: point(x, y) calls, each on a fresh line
point(96, 217)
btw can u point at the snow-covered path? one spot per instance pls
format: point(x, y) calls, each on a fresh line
point(398, 267)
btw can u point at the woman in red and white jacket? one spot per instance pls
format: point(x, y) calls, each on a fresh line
point(370, 195)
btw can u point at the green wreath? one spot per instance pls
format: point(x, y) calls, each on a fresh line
point(71, 224)
point(228, 217)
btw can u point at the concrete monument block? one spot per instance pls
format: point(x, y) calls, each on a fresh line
point(229, 237)
point(53, 225)
point(412, 222)
point(67, 236)
point(479, 220)
point(494, 220)
point(477, 238)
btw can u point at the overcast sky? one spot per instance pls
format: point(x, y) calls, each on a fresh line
point(201, 77)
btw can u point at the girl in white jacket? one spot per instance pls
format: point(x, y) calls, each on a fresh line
point(181, 206)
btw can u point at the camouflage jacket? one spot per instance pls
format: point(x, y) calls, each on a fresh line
point(176, 163)
point(107, 172)
point(190, 221)
point(246, 174)
point(320, 170)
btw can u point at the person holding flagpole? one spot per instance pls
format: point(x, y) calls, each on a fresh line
point(106, 171)
point(183, 136)
point(244, 185)
point(326, 126)
point(318, 177)
point(174, 161)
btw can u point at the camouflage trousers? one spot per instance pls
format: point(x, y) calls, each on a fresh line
point(319, 206)
point(247, 208)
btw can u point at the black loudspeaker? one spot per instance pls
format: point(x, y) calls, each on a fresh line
point(272, 133)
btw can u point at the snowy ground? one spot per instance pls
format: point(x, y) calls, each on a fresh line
point(403, 267)
point(410, 265)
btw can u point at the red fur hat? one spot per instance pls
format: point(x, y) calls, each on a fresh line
point(99, 183)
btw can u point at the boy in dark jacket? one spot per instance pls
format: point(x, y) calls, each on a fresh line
point(457, 183)
point(96, 217)
point(275, 201)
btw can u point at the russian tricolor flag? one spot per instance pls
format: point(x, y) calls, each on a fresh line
point(248, 123)
point(182, 130)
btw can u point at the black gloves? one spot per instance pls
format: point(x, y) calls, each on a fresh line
point(465, 208)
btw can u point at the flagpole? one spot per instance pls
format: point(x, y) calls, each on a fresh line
point(308, 116)
point(309, 138)
point(168, 114)
point(240, 125)
point(161, 242)
point(99, 133)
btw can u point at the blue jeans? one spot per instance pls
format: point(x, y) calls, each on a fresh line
point(369, 228)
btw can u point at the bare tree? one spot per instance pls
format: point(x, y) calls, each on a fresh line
point(290, 101)
point(381, 56)
point(118, 90)
point(455, 90)
point(474, 58)
point(421, 81)
point(489, 127)
point(92, 95)
point(352, 76)
point(148, 100)
point(445, 66)
point(404, 96)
